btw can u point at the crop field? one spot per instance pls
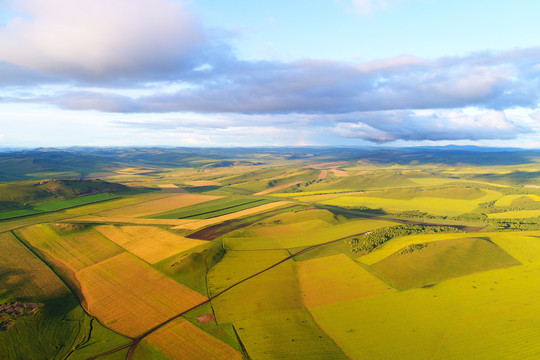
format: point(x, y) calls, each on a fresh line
point(235, 215)
point(443, 322)
point(441, 260)
point(149, 243)
point(180, 339)
point(213, 209)
point(130, 297)
point(161, 204)
point(76, 250)
point(347, 280)
point(24, 276)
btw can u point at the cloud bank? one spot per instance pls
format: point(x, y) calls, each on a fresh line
point(108, 53)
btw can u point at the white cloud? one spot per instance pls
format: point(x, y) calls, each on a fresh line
point(366, 7)
point(97, 38)
point(436, 125)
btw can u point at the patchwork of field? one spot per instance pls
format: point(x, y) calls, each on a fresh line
point(76, 250)
point(59, 326)
point(130, 297)
point(149, 243)
point(444, 321)
point(197, 267)
point(301, 233)
point(267, 310)
point(159, 205)
point(180, 339)
point(212, 209)
point(235, 215)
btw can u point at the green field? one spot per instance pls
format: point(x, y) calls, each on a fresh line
point(212, 209)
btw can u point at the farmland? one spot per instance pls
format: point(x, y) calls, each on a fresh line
point(273, 255)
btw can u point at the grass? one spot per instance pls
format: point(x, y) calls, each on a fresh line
point(149, 243)
point(57, 205)
point(346, 279)
point(78, 201)
point(445, 321)
point(189, 267)
point(442, 260)
point(130, 297)
point(213, 209)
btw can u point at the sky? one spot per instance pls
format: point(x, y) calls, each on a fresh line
point(269, 73)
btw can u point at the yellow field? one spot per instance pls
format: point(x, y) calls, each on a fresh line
point(507, 200)
point(159, 205)
point(130, 297)
point(523, 247)
point(432, 205)
point(335, 279)
point(519, 214)
point(202, 183)
point(77, 250)
point(218, 219)
point(24, 275)
point(291, 334)
point(149, 243)
point(339, 173)
point(180, 340)
point(304, 233)
point(491, 315)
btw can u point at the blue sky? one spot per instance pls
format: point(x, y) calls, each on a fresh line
point(239, 72)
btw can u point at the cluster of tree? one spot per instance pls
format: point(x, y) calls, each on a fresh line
point(515, 224)
point(412, 248)
point(369, 241)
